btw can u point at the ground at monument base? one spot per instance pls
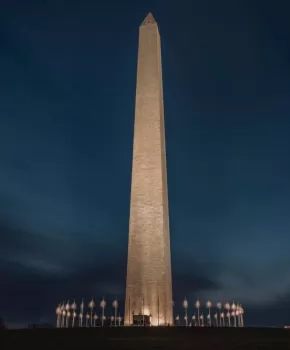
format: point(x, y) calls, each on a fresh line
point(139, 338)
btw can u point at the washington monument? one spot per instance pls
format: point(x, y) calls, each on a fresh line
point(149, 286)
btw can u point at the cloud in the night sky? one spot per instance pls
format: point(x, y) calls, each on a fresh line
point(67, 89)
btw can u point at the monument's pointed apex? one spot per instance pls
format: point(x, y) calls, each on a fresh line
point(149, 19)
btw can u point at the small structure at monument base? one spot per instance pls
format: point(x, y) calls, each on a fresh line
point(141, 320)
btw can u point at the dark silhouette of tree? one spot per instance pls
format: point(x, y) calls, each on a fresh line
point(2, 324)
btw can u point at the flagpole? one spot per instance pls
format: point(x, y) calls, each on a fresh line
point(103, 305)
point(242, 317)
point(61, 309)
point(103, 314)
point(197, 305)
point(209, 305)
point(63, 315)
point(185, 306)
point(58, 313)
point(116, 309)
point(82, 312)
point(63, 319)
point(91, 306)
point(234, 307)
point(115, 306)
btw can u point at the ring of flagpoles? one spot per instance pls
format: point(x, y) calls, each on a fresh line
point(207, 315)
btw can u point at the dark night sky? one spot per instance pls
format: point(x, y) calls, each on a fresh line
point(67, 89)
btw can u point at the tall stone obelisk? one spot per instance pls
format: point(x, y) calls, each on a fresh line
point(149, 286)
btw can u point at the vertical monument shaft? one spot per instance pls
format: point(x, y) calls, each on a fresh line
point(149, 286)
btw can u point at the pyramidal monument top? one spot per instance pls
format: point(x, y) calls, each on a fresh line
point(149, 20)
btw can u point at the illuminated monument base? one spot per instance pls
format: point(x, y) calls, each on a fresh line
point(149, 287)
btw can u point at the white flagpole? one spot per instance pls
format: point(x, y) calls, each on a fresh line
point(82, 312)
point(234, 307)
point(242, 311)
point(208, 305)
point(216, 319)
point(63, 319)
point(228, 308)
point(115, 306)
point(238, 314)
point(234, 316)
point(201, 317)
point(95, 319)
point(58, 313)
point(223, 319)
point(91, 306)
point(242, 316)
point(197, 305)
point(116, 310)
point(103, 305)
point(67, 309)
point(68, 318)
point(219, 306)
point(63, 313)
point(185, 306)
point(73, 307)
